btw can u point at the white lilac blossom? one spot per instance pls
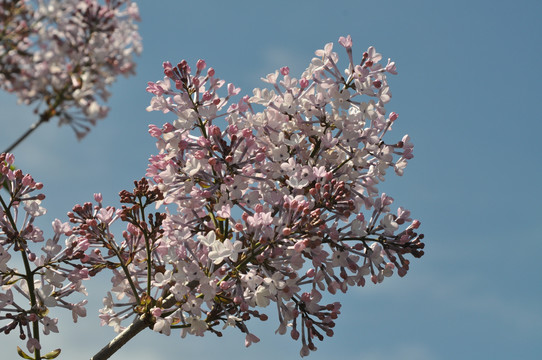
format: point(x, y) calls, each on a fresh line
point(63, 55)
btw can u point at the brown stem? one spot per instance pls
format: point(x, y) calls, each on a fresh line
point(114, 345)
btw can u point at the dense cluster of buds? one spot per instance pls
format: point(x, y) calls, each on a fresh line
point(62, 55)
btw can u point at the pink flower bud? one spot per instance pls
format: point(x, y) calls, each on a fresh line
point(214, 130)
point(154, 131)
point(199, 154)
point(10, 158)
point(27, 180)
point(201, 64)
point(167, 65)
point(207, 96)
point(233, 129)
point(98, 197)
point(260, 157)
point(168, 127)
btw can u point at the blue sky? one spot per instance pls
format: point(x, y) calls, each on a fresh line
point(467, 93)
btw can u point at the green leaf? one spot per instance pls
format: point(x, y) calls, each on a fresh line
point(51, 355)
point(23, 354)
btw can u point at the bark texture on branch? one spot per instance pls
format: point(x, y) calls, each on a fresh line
point(135, 328)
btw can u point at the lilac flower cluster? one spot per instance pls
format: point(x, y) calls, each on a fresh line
point(45, 281)
point(270, 199)
point(279, 205)
point(63, 55)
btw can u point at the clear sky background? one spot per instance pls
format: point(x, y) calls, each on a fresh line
point(468, 93)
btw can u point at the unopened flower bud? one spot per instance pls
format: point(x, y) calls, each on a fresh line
point(201, 64)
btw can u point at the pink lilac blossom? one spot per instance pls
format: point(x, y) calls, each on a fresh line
point(63, 55)
point(48, 278)
point(270, 199)
point(278, 205)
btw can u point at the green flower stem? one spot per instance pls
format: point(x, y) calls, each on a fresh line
point(33, 303)
point(126, 271)
point(147, 248)
point(149, 264)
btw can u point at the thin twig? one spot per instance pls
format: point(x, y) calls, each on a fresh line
point(33, 127)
